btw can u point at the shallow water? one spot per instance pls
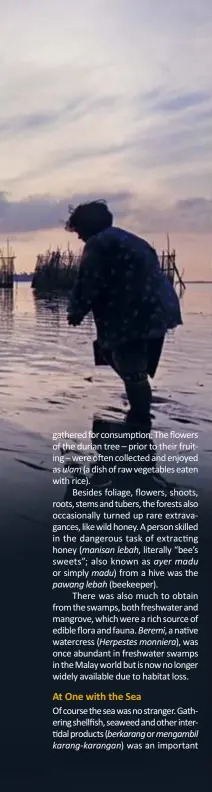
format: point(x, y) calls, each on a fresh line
point(48, 383)
point(48, 379)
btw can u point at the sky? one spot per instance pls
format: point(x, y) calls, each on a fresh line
point(107, 99)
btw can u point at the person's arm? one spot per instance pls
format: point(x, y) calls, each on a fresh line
point(88, 286)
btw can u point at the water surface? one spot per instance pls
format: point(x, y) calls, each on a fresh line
point(48, 381)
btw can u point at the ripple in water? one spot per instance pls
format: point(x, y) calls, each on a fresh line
point(48, 379)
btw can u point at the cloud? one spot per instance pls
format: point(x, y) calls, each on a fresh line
point(59, 159)
point(155, 133)
point(173, 133)
point(37, 213)
point(163, 100)
point(103, 91)
point(184, 216)
point(31, 123)
point(184, 101)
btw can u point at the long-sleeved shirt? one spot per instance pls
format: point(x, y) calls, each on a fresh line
point(121, 282)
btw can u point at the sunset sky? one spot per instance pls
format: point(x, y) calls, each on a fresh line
point(111, 99)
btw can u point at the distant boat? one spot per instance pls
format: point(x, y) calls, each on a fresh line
point(7, 268)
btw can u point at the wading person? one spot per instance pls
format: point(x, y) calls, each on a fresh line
point(132, 301)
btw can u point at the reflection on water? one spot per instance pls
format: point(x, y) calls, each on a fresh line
point(106, 472)
point(47, 376)
point(47, 311)
point(6, 308)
